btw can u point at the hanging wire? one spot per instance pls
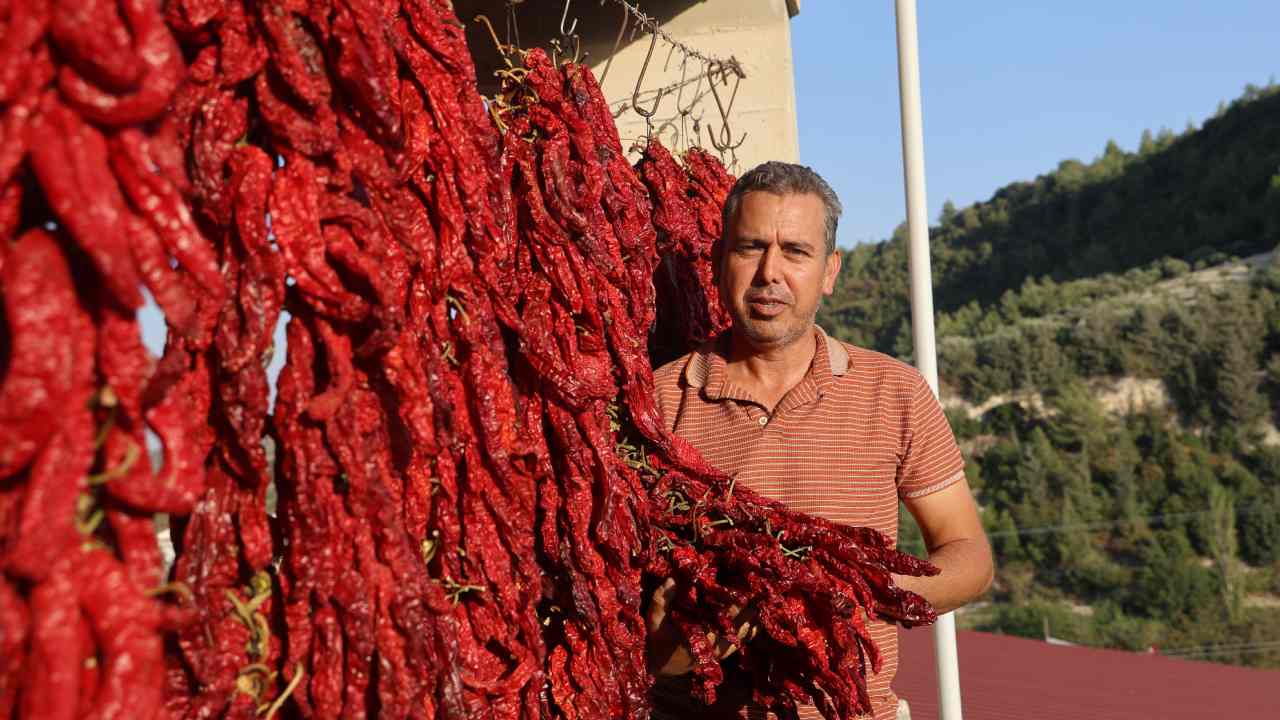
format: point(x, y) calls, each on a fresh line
point(638, 22)
point(635, 19)
point(645, 22)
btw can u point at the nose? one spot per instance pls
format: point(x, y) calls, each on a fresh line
point(768, 271)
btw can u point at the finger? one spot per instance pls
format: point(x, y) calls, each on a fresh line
point(664, 593)
point(659, 602)
point(746, 623)
point(724, 648)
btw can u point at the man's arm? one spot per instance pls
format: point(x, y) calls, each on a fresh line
point(957, 544)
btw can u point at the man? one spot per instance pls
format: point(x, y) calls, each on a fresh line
point(822, 426)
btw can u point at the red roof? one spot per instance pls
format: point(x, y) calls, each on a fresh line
point(1010, 678)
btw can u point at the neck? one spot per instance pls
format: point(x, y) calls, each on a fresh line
point(771, 366)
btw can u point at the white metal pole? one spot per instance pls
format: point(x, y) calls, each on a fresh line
point(944, 631)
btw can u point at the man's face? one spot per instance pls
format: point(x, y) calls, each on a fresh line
point(775, 268)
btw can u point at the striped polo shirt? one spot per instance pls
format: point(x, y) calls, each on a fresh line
point(860, 431)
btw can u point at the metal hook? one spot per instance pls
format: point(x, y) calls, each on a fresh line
point(565, 16)
point(726, 135)
point(644, 69)
point(684, 66)
point(513, 23)
point(502, 49)
point(687, 112)
point(675, 132)
point(617, 43)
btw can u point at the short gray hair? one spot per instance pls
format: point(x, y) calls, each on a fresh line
point(781, 178)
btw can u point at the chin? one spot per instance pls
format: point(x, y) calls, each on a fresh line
point(770, 334)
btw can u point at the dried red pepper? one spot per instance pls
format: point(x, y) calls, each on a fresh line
point(15, 622)
point(162, 68)
point(69, 157)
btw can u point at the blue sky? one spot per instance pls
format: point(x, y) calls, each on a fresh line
point(1010, 89)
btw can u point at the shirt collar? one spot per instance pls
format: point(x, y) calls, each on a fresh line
point(706, 368)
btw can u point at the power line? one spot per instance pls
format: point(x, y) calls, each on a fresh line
point(1102, 525)
point(1222, 649)
point(1251, 650)
point(1192, 652)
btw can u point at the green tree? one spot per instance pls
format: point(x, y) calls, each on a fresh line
point(1223, 547)
point(910, 540)
point(1005, 543)
point(948, 213)
point(1259, 523)
point(1147, 145)
point(1171, 585)
point(1078, 423)
point(1239, 401)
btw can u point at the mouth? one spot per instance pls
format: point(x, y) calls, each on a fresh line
point(766, 307)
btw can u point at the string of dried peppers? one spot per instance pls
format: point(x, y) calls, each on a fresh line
point(474, 486)
point(687, 214)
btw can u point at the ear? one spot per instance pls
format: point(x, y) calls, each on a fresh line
point(830, 271)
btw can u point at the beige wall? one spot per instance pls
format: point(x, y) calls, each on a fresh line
point(758, 34)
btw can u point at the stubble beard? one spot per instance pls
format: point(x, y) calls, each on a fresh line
point(770, 335)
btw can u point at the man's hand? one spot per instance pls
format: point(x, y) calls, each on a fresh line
point(668, 652)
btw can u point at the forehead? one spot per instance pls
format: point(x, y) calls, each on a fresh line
point(792, 215)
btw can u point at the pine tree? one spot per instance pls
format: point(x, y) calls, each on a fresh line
point(1078, 424)
point(1239, 401)
point(1147, 145)
point(1223, 547)
point(1004, 539)
point(948, 213)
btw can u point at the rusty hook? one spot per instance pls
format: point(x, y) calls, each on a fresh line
point(644, 69)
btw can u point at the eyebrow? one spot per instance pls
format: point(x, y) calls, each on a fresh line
point(801, 244)
point(757, 241)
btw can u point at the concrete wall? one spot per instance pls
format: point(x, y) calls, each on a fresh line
point(757, 33)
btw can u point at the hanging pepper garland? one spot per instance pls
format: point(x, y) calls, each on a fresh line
point(687, 214)
point(474, 486)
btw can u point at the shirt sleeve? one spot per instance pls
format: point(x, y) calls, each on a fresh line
point(932, 460)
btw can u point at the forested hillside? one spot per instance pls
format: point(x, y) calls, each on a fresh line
point(1138, 523)
point(1209, 192)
